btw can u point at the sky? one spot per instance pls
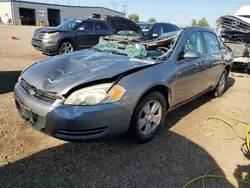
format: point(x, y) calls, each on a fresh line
point(180, 12)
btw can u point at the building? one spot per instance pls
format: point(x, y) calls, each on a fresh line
point(34, 13)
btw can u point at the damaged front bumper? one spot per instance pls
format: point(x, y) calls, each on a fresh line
point(74, 123)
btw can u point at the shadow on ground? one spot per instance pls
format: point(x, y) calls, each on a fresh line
point(241, 70)
point(170, 160)
point(8, 79)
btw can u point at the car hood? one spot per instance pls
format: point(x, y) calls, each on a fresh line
point(49, 30)
point(63, 72)
point(118, 24)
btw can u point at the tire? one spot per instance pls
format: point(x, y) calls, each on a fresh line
point(221, 87)
point(145, 133)
point(66, 47)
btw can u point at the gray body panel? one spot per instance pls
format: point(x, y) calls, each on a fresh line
point(184, 80)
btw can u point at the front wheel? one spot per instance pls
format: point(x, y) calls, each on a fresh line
point(66, 47)
point(148, 117)
point(221, 87)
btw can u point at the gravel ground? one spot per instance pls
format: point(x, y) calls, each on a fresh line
point(180, 153)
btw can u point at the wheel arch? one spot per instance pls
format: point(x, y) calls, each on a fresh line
point(66, 40)
point(162, 88)
point(228, 68)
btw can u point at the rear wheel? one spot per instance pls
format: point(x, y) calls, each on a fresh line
point(66, 47)
point(221, 87)
point(148, 117)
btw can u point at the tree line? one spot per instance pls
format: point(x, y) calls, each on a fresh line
point(202, 22)
point(135, 18)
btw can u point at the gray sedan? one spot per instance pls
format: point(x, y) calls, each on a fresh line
point(122, 85)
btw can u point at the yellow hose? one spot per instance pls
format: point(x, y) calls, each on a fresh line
point(231, 126)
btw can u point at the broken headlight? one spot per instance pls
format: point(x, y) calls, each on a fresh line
point(98, 94)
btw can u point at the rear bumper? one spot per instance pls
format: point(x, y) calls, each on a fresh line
point(75, 123)
point(49, 46)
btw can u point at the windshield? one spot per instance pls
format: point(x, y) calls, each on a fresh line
point(121, 47)
point(69, 24)
point(157, 49)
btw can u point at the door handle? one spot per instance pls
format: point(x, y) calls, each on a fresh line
point(222, 57)
point(91, 33)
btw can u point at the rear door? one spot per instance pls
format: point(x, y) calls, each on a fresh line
point(101, 29)
point(85, 34)
point(190, 77)
point(216, 59)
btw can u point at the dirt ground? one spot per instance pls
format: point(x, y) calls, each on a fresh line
point(180, 153)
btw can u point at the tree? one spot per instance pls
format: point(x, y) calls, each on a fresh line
point(153, 20)
point(134, 17)
point(203, 22)
point(194, 22)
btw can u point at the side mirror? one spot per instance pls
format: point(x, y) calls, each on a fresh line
point(192, 54)
point(155, 35)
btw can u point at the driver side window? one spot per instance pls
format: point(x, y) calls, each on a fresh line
point(194, 41)
point(87, 26)
point(158, 30)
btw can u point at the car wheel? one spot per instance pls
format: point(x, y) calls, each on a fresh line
point(221, 87)
point(148, 117)
point(66, 47)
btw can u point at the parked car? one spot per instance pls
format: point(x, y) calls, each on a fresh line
point(77, 34)
point(159, 29)
point(119, 85)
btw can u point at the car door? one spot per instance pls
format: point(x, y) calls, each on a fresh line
point(101, 29)
point(190, 76)
point(84, 34)
point(216, 55)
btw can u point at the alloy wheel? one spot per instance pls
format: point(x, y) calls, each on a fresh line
point(150, 117)
point(67, 47)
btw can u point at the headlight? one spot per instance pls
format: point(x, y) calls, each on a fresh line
point(96, 94)
point(48, 35)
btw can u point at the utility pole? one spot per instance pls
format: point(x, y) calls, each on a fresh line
point(114, 5)
point(125, 9)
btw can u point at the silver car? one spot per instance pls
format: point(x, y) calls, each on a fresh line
point(122, 85)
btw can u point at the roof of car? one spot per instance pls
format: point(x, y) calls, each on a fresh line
point(145, 23)
point(89, 19)
point(198, 28)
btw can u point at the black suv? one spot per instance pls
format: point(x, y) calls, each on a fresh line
point(77, 34)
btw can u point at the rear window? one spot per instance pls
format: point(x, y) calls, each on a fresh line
point(101, 26)
point(173, 27)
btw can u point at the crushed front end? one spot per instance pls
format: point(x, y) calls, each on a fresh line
point(235, 33)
